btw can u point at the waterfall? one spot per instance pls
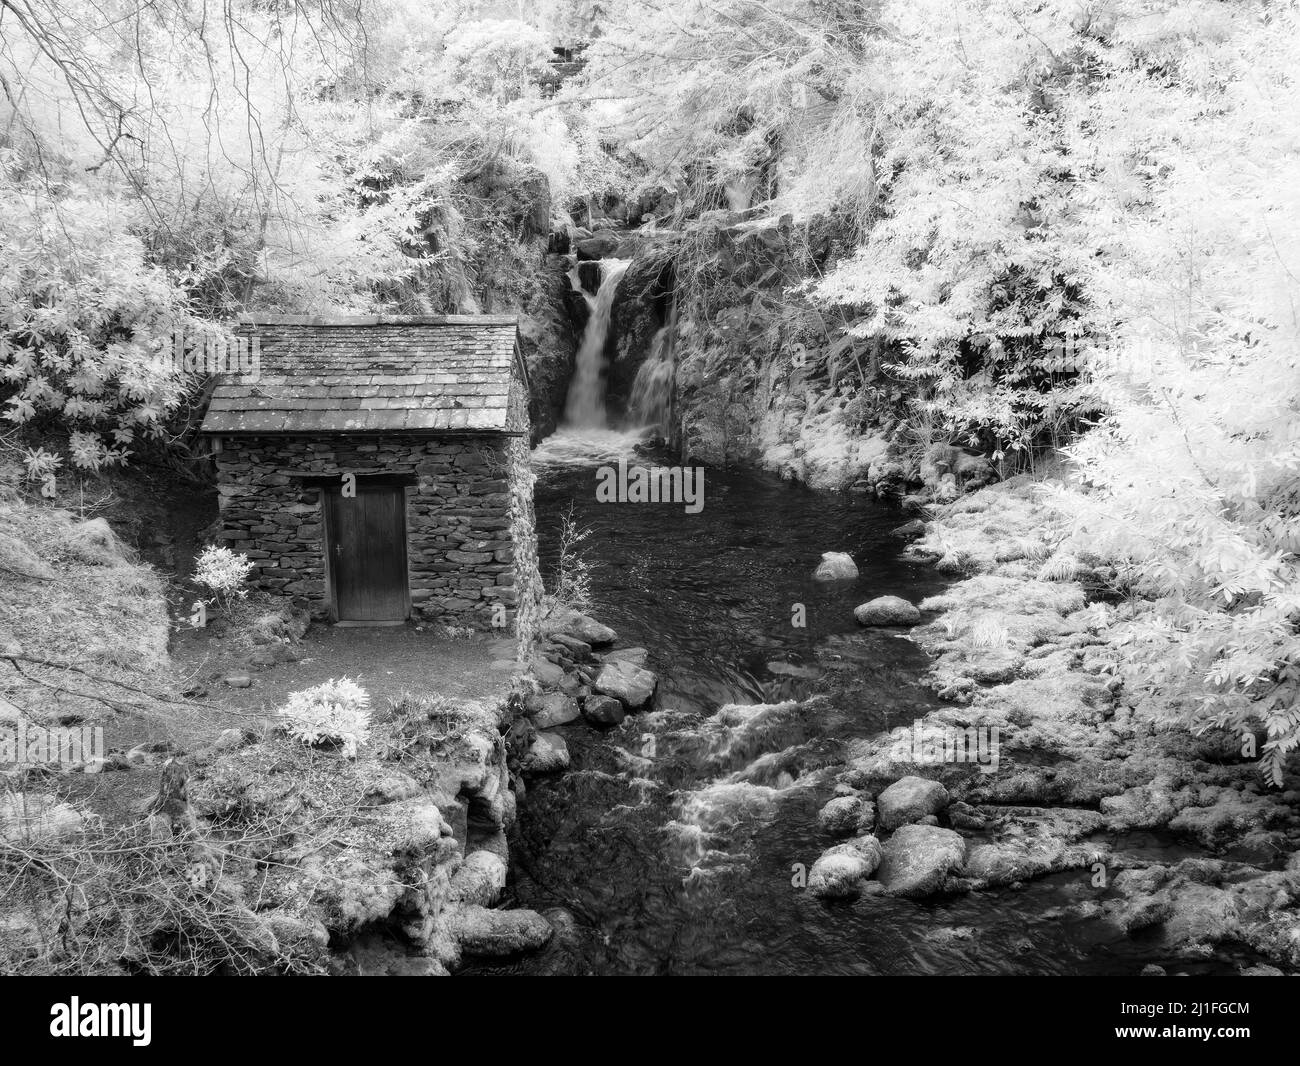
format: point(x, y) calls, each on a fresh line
point(585, 407)
point(652, 390)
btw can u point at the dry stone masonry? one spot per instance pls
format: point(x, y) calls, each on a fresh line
point(436, 407)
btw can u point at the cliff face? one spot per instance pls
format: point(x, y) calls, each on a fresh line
point(549, 341)
point(761, 377)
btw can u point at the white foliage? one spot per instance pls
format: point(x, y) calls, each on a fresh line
point(334, 712)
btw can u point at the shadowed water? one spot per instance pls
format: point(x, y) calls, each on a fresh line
point(673, 841)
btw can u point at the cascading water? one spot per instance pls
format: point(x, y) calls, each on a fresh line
point(585, 406)
point(650, 406)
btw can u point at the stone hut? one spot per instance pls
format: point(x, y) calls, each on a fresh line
point(376, 469)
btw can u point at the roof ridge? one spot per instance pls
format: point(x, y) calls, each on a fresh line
point(377, 320)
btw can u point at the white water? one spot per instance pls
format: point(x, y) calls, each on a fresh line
point(585, 447)
point(585, 407)
point(652, 390)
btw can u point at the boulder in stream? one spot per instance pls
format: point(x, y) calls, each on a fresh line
point(909, 799)
point(836, 566)
point(602, 710)
point(497, 934)
point(582, 627)
point(626, 682)
point(597, 246)
point(556, 709)
point(917, 860)
point(635, 656)
point(887, 611)
point(840, 870)
point(548, 754)
point(479, 879)
point(844, 816)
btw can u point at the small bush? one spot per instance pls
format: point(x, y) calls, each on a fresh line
point(336, 712)
point(572, 581)
point(223, 573)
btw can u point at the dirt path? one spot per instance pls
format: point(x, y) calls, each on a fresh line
point(385, 661)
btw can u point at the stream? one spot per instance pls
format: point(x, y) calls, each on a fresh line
point(671, 844)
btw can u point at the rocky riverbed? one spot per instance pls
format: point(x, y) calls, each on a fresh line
point(1035, 789)
point(1044, 762)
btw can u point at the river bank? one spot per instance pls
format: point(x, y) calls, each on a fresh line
point(1172, 837)
point(1085, 835)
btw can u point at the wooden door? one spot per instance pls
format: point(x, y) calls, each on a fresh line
point(366, 543)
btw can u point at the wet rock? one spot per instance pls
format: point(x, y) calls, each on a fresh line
point(914, 528)
point(239, 681)
point(887, 611)
point(579, 649)
point(602, 710)
point(584, 628)
point(479, 879)
point(1231, 819)
point(840, 870)
point(626, 682)
point(841, 815)
point(548, 754)
point(556, 709)
point(635, 656)
point(836, 566)
point(910, 799)
point(563, 923)
point(1021, 856)
point(599, 246)
point(1145, 807)
point(497, 934)
point(917, 860)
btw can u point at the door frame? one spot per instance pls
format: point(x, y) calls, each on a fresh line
point(326, 485)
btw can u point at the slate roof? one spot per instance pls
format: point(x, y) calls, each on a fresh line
point(447, 374)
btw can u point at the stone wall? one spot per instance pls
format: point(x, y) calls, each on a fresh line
point(461, 510)
point(523, 526)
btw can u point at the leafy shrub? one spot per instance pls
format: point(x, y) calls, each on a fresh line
point(571, 587)
point(223, 573)
point(336, 712)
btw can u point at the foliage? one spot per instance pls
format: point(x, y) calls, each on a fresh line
point(160, 172)
point(1053, 215)
point(223, 573)
point(1004, 221)
point(334, 712)
point(571, 583)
